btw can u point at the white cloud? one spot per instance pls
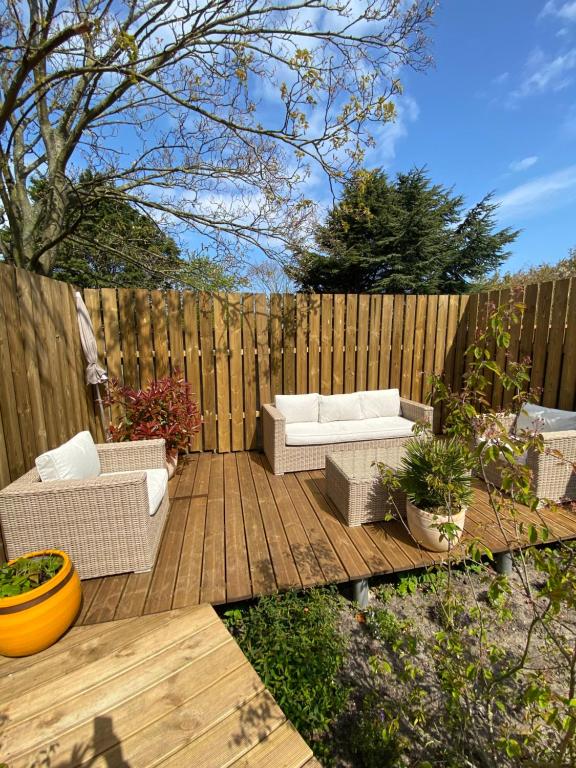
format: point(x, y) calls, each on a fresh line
point(563, 10)
point(524, 164)
point(542, 193)
point(501, 78)
point(388, 135)
point(543, 73)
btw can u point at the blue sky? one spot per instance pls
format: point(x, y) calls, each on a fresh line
point(498, 112)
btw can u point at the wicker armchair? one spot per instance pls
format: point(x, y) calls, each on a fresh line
point(296, 458)
point(103, 523)
point(553, 479)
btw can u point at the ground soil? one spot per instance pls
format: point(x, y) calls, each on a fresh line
point(421, 608)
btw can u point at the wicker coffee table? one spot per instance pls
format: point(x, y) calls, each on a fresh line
point(353, 484)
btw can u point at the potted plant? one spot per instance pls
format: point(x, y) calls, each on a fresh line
point(163, 409)
point(40, 596)
point(436, 476)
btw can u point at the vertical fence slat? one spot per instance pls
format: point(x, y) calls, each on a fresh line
point(236, 384)
point(144, 331)
point(567, 393)
point(8, 406)
point(408, 346)
point(429, 344)
point(249, 346)
point(73, 372)
point(222, 372)
point(57, 362)
point(301, 343)
point(418, 359)
point(275, 344)
point(460, 343)
point(175, 332)
point(350, 336)
point(528, 326)
point(288, 358)
point(160, 331)
point(375, 313)
point(514, 348)
point(338, 343)
point(263, 349)
point(314, 343)
point(385, 342)
point(540, 344)
point(112, 340)
point(192, 351)
point(326, 345)
point(362, 342)
point(554, 358)
point(397, 335)
point(128, 336)
point(207, 370)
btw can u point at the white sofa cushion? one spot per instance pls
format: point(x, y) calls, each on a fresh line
point(298, 408)
point(156, 485)
point(380, 402)
point(348, 431)
point(75, 460)
point(536, 417)
point(340, 408)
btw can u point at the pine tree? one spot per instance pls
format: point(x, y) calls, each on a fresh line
point(402, 236)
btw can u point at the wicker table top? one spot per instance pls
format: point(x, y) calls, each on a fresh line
point(358, 466)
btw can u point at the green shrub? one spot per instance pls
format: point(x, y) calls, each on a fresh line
point(294, 643)
point(375, 741)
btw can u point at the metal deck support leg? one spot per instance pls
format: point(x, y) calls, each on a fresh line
point(503, 563)
point(361, 592)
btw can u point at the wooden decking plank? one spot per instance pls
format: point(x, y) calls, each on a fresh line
point(285, 571)
point(134, 595)
point(89, 589)
point(160, 592)
point(106, 599)
point(72, 651)
point(178, 735)
point(203, 655)
point(303, 553)
point(350, 558)
point(238, 584)
point(261, 571)
point(283, 748)
point(253, 721)
point(326, 556)
point(213, 586)
point(385, 537)
point(104, 660)
point(187, 474)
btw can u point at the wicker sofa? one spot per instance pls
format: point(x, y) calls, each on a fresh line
point(552, 478)
point(286, 455)
point(104, 523)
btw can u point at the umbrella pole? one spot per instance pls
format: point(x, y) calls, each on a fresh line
point(103, 419)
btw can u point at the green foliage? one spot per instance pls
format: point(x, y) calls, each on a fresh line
point(560, 270)
point(294, 643)
point(402, 236)
point(374, 740)
point(436, 475)
point(27, 573)
point(112, 244)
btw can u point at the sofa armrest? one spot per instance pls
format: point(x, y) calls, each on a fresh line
point(274, 437)
point(66, 491)
point(127, 456)
point(414, 411)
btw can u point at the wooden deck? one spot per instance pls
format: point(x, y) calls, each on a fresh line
point(236, 531)
point(171, 691)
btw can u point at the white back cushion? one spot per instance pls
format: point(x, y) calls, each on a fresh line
point(75, 460)
point(537, 418)
point(380, 402)
point(340, 408)
point(298, 408)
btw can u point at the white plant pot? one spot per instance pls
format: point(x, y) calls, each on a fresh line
point(424, 528)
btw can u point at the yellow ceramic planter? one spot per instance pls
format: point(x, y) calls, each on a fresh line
point(35, 620)
point(424, 528)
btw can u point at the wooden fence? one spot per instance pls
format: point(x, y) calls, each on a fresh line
point(239, 350)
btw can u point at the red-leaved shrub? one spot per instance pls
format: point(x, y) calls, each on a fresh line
point(165, 408)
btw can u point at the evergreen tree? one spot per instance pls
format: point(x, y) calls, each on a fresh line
point(402, 236)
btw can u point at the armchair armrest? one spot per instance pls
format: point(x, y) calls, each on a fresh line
point(274, 437)
point(139, 454)
point(414, 411)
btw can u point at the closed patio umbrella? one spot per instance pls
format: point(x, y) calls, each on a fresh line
point(95, 374)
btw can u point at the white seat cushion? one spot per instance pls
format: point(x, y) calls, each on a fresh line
point(75, 460)
point(380, 402)
point(348, 431)
point(156, 484)
point(340, 408)
point(537, 418)
point(298, 408)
